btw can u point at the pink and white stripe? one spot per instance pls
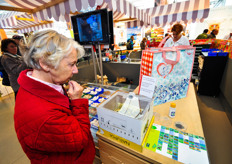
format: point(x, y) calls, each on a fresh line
point(57, 10)
point(35, 28)
point(186, 11)
point(129, 10)
point(119, 7)
point(8, 20)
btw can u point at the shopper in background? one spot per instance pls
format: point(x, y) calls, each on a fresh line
point(204, 35)
point(148, 43)
point(152, 43)
point(213, 34)
point(178, 39)
point(143, 43)
point(17, 40)
point(12, 62)
point(52, 127)
point(167, 34)
point(228, 37)
point(130, 43)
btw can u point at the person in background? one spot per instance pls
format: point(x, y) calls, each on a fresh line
point(204, 35)
point(52, 125)
point(12, 62)
point(143, 43)
point(228, 37)
point(167, 34)
point(130, 43)
point(178, 39)
point(17, 40)
point(213, 34)
point(148, 41)
point(152, 43)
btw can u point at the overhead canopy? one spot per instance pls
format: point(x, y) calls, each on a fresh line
point(186, 11)
point(23, 22)
point(7, 19)
point(128, 9)
point(26, 23)
point(42, 10)
point(60, 9)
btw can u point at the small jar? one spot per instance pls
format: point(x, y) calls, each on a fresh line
point(172, 110)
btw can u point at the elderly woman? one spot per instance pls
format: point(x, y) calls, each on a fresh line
point(178, 39)
point(12, 62)
point(52, 126)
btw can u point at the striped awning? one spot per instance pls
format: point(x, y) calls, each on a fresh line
point(26, 23)
point(135, 23)
point(186, 11)
point(192, 10)
point(62, 10)
point(7, 19)
point(35, 28)
point(23, 22)
point(186, 17)
point(128, 9)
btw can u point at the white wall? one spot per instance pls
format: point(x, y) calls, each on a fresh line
point(221, 16)
point(195, 29)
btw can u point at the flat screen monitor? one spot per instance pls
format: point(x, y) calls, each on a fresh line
point(91, 27)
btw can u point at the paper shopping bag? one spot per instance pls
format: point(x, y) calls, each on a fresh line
point(172, 68)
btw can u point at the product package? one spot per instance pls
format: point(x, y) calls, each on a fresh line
point(172, 68)
point(119, 124)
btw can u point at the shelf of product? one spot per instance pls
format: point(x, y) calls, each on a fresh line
point(96, 94)
point(157, 34)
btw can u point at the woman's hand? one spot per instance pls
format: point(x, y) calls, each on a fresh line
point(75, 90)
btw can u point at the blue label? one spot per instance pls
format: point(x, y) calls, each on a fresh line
point(172, 113)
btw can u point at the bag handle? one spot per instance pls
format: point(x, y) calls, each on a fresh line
point(162, 42)
point(171, 61)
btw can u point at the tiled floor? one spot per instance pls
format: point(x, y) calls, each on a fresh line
point(10, 149)
point(217, 130)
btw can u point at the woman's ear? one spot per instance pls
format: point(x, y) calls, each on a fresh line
point(44, 66)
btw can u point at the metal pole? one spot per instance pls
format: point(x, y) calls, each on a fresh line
point(100, 58)
point(94, 64)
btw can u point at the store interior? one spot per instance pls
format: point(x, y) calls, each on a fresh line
point(202, 101)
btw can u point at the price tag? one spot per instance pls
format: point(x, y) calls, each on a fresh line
point(147, 86)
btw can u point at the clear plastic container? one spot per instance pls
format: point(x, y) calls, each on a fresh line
point(157, 116)
point(166, 121)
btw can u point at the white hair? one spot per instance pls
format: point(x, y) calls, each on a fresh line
point(51, 47)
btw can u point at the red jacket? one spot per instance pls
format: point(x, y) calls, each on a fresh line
point(51, 129)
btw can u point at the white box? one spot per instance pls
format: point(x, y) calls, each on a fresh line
point(132, 129)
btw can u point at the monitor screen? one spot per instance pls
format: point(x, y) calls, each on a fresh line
point(92, 27)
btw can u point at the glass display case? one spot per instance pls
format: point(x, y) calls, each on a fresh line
point(96, 94)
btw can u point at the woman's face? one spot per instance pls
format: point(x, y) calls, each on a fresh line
point(65, 70)
point(12, 48)
point(176, 36)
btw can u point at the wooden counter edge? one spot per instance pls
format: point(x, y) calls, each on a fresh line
point(147, 155)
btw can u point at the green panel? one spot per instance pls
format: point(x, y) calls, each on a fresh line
point(152, 139)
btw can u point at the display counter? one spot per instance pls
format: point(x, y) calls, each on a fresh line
point(187, 112)
point(111, 70)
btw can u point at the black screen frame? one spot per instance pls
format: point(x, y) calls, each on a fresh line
point(111, 27)
point(104, 23)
